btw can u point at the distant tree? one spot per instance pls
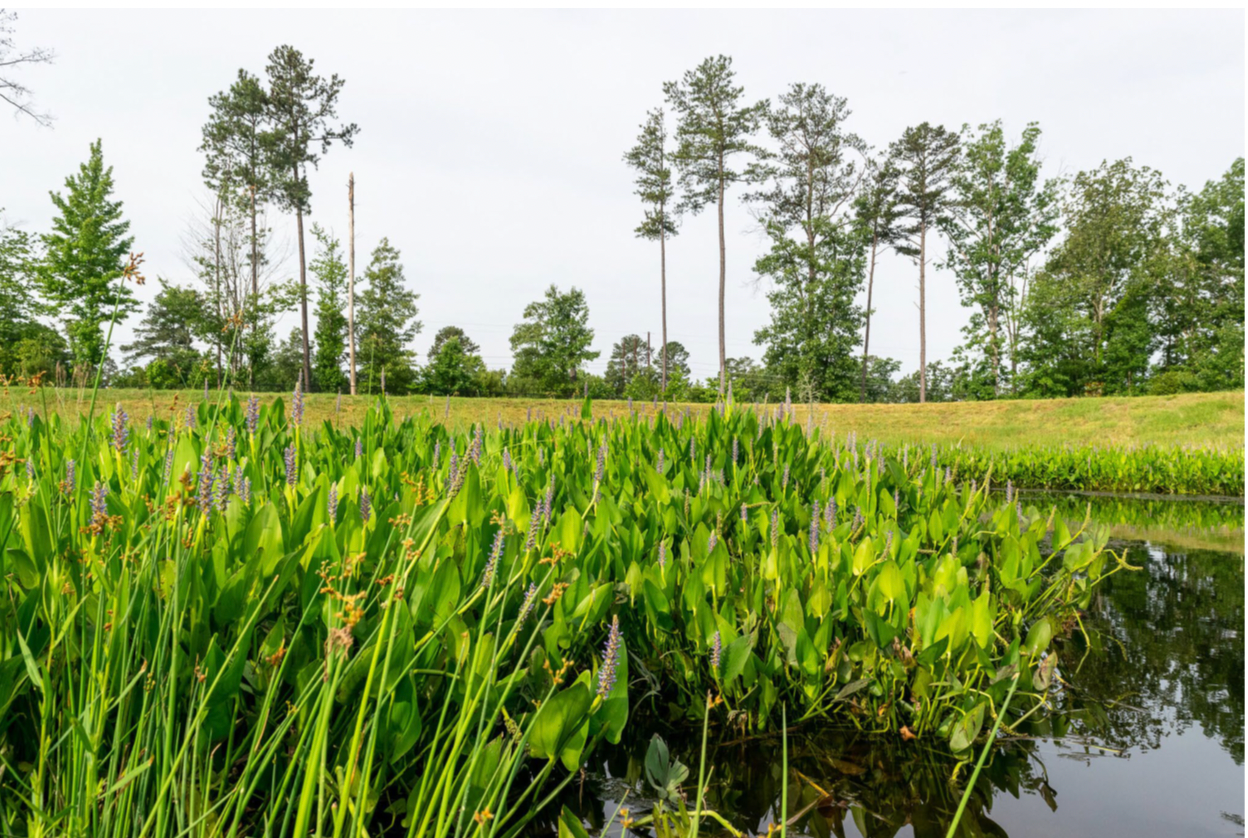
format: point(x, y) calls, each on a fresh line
point(84, 257)
point(301, 110)
point(817, 260)
point(167, 333)
point(1199, 305)
point(750, 383)
point(387, 322)
point(880, 372)
point(1088, 310)
point(939, 383)
point(286, 366)
point(714, 126)
point(1000, 216)
point(18, 302)
point(466, 344)
point(11, 90)
point(453, 369)
point(27, 346)
point(330, 273)
point(654, 184)
point(677, 359)
point(814, 327)
point(876, 213)
point(926, 158)
point(628, 358)
point(552, 344)
point(238, 166)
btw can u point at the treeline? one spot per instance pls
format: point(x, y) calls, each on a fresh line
point(1107, 282)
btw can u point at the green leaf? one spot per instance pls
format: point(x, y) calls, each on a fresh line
point(968, 727)
point(558, 719)
point(569, 824)
point(1038, 637)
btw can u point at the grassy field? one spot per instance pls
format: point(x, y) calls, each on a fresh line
point(1194, 419)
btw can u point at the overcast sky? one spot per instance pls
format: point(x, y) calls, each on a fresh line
point(491, 141)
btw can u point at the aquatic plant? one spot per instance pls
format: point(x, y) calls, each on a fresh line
point(443, 652)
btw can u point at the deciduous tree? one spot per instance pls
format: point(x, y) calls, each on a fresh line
point(12, 91)
point(552, 345)
point(330, 272)
point(84, 257)
point(387, 322)
point(1000, 216)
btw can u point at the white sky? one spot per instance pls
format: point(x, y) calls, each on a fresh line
point(491, 141)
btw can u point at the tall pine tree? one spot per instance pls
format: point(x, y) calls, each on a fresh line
point(926, 158)
point(302, 110)
point(714, 126)
point(656, 189)
point(816, 261)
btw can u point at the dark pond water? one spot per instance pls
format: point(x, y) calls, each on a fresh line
point(1149, 741)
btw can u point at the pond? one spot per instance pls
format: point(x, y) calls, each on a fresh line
point(1147, 740)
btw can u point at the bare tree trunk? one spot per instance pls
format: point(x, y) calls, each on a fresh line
point(723, 278)
point(351, 274)
point(866, 336)
point(922, 312)
point(255, 282)
point(996, 355)
point(216, 290)
point(303, 300)
point(663, 288)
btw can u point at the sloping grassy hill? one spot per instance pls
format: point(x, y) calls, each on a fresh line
point(1194, 419)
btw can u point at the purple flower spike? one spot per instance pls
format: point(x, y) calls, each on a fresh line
point(121, 429)
point(610, 659)
point(491, 566)
point(206, 480)
point(292, 467)
point(526, 607)
point(366, 504)
point(717, 648)
point(296, 405)
point(253, 414)
point(814, 528)
point(331, 503)
point(98, 506)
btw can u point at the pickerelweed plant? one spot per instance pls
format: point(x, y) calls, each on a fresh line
point(228, 623)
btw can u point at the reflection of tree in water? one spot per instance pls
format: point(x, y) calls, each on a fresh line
point(1168, 655)
point(1172, 654)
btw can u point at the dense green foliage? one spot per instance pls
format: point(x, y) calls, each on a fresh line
point(1160, 469)
point(84, 254)
point(552, 345)
point(232, 624)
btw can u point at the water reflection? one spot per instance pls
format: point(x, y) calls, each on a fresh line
point(1147, 740)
